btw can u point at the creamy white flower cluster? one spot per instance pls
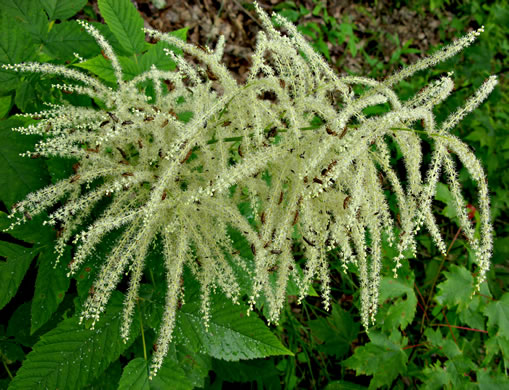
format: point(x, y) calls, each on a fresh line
point(182, 181)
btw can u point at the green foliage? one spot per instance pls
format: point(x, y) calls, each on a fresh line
point(430, 332)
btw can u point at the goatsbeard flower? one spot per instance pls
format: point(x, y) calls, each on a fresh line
point(176, 163)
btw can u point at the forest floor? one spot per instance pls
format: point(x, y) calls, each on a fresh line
point(208, 19)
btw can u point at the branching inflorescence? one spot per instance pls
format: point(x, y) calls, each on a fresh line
point(180, 182)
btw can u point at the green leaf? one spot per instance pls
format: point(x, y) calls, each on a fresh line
point(70, 356)
point(457, 288)
point(15, 46)
point(400, 311)
point(62, 9)
point(27, 15)
point(67, 38)
point(12, 269)
point(336, 332)
point(177, 372)
point(101, 67)
point(498, 315)
point(125, 23)
point(50, 287)
point(5, 105)
point(232, 334)
point(382, 357)
point(20, 175)
point(109, 379)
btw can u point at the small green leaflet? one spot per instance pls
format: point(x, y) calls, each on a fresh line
point(62, 9)
point(498, 315)
point(125, 23)
point(70, 356)
point(383, 357)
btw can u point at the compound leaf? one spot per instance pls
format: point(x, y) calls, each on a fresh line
point(125, 23)
point(498, 315)
point(232, 334)
point(71, 356)
point(383, 358)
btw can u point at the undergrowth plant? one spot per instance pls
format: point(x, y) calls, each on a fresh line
point(168, 158)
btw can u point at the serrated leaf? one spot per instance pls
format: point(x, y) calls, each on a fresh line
point(232, 335)
point(109, 379)
point(457, 288)
point(67, 38)
point(101, 67)
point(12, 269)
point(381, 357)
point(5, 105)
point(70, 356)
point(15, 46)
point(28, 15)
point(125, 23)
point(50, 287)
point(498, 315)
point(336, 332)
point(175, 373)
point(20, 175)
point(400, 311)
point(62, 9)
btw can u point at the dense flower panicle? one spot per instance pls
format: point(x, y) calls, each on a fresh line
point(181, 181)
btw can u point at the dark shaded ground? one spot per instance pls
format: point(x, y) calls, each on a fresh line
point(207, 19)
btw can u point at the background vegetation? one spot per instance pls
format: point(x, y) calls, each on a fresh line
point(429, 333)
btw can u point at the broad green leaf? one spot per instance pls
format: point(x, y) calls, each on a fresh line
point(27, 15)
point(101, 67)
point(12, 269)
point(336, 332)
point(498, 315)
point(109, 379)
point(457, 288)
point(398, 302)
point(26, 96)
point(232, 334)
point(62, 9)
point(20, 175)
point(125, 23)
point(156, 55)
point(492, 380)
point(177, 372)
point(382, 357)
point(50, 287)
point(70, 356)
point(69, 37)
point(5, 105)
point(15, 46)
